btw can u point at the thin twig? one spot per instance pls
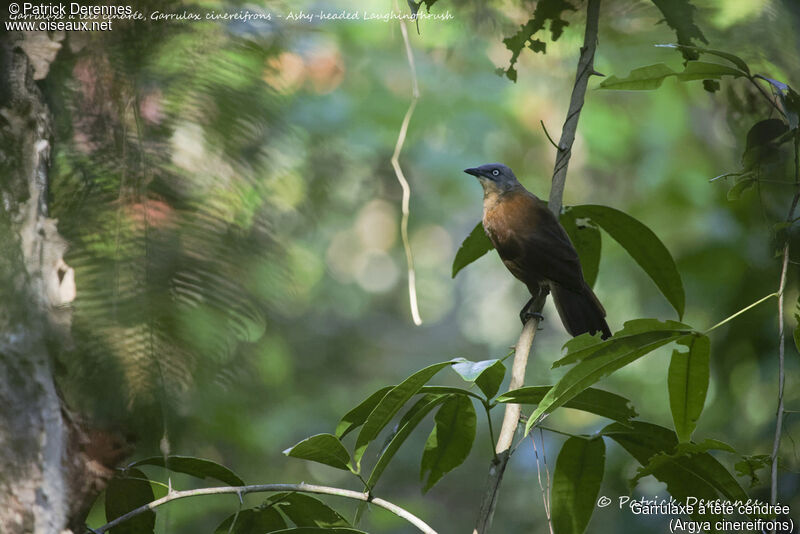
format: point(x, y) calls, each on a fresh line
point(511, 419)
point(547, 473)
point(261, 488)
point(776, 444)
point(545, 493)
point(738, 313)
point(547, 134)
point(401, 138)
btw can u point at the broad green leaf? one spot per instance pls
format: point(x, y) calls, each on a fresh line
point(197, 467)
point(356, 417)
point(763, 140)
point(307, 511)
point(643, 246)
point(585, 345)
point(251, 521)
point(697, 475)
point(450, 441)
point(390, 405)
point(128, 492)
point(322, 448)
point(679, 15)
point(688, 383)
point(586, 238)
point(603, 362)
point(590, 400)
point(409, 422)
point(576, 484)
point(487, 374)
point(319, 530)
point(736, 60)
point(652, 76)
point(473, 247)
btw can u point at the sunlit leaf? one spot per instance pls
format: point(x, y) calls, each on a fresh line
point(576, 484)
point(356, 417)
point(643, 246)
point(251, 521)
point(688, 383)
point(390, 405)
point(450, 441)
point(307, 511)
point(474, 246)
point(197, 467)
point(679, 15)
point(128, 492)
point(407, 424)
point(590, 400)
point(487, 374)
point(586, 238)
point(322, 448)
point(652, 76)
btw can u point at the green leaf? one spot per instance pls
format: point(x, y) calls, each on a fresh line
point(450, 441)
point(750, 466)
point(762, 143)
point(128, 492)
point(551, 10)
point(741, 185)
point(639, 79)
point(474, 246)
point(408, 423)
point(686, 474)
point(322, 448)
point(390, 405)
point(796, 332)
point(307, 511)
point(591, 400)
point(356, 417)
point(486, 374)
point(197, 467)
point(252, 521)
point(585, 345)
point(576, 483)
point(586, 238)
point(611, 355)
point(652, 76)
point(319, 530)
point(679, 15)
point(688, 383)
point(736, 60)
point(643, 246)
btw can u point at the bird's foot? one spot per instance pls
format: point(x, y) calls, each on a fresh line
point(526, 316)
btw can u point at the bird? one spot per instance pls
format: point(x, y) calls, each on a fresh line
point(536, 249)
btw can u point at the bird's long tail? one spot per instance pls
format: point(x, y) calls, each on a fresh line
point(580, 311)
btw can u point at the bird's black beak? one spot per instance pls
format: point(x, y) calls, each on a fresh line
point(474, 171)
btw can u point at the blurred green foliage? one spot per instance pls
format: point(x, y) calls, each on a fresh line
point(233, 223)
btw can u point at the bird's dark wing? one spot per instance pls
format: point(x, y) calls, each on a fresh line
point(531, 242)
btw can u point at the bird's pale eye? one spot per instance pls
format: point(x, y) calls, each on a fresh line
point(495, 173)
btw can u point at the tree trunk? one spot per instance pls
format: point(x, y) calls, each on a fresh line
point(35, 286)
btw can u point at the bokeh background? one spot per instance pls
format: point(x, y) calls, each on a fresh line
point(233, 218)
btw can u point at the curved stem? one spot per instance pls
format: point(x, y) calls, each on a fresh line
point(737, 314)
point(261, 488)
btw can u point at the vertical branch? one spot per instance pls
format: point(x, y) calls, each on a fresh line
point(523, 347)
point(585, 69)
point(401, 138)
point(776, 444)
